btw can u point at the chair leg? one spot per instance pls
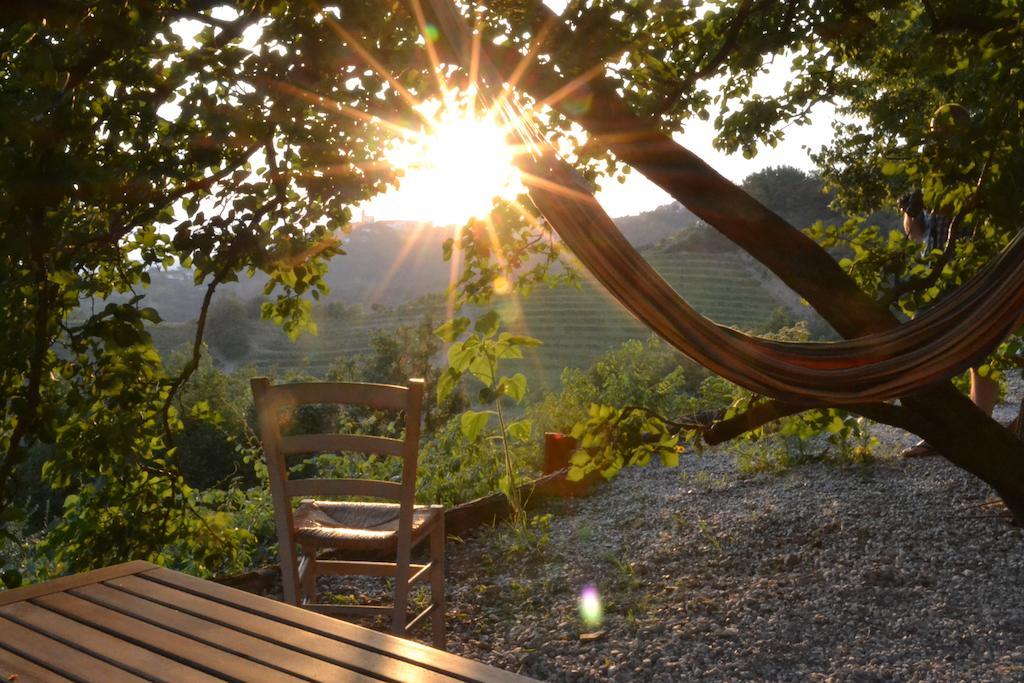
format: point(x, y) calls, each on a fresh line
point(399, 615)
point(289, 574)
point(437, 583)
point(307, 578)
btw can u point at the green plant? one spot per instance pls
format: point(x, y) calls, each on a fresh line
point(479, 356)
point(128, 149)
point(709, 536)
point(649, 375)
point(612, 438)
point(530, 538)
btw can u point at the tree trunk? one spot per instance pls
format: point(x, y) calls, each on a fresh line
point(962, 433)
point(953, 425)
point(941, 415)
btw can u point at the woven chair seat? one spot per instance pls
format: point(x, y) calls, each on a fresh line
point(357, 526)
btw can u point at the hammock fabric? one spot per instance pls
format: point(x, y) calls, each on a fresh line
point(945, 340)
point(951, 336)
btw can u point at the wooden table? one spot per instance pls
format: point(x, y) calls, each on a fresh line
point(136, 621)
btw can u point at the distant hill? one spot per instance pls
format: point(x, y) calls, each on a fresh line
point(386, 263)
point(575, 325)
point(392, 274)
point(651, 227)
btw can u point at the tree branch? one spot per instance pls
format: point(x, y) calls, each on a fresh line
point(756, 416)
point(28, 416)
point(725, 50)
point(160, 200)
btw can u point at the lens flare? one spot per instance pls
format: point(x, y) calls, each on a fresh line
point(502, 285)
point(590, 606)
point(460, 163)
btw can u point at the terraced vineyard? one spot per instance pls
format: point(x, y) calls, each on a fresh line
point(579, 325)
point(576, 325)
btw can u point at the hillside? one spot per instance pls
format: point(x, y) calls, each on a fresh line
point(579, 325)
point(576, 325)
point(390, 268)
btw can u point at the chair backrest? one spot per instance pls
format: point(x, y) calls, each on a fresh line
point(272, 399)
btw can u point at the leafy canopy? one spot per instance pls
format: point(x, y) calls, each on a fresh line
point(127, 147)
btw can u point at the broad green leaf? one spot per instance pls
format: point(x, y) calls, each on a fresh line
point(835, 426)
point(487, 324)
point(481, 367)
point(505, 352)
point(520, 430)
point(473, 423)
point(514, 387)
point(519, 340)
point(461, 355)
point(453, 329)
point(447, 382)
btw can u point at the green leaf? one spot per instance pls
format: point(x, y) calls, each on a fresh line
point(447, 383)
point(503, 351)
point(835, 426)
point(461, 355)
point(472, 423)
point(487, 324)
point(519, 340)
point(575, 473)
point(520, 430)
point(453, 329)
point(150, 314)
point(891, 168)
point(481, 367)
point(514, 387)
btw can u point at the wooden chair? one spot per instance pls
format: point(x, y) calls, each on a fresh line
point(352, 526)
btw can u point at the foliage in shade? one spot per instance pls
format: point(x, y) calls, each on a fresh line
point(125, 148)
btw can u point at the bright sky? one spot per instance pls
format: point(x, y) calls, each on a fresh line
point(638, 194)
point(424, 198)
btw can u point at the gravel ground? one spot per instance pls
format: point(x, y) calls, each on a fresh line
point(900, 569)
point(894, 571)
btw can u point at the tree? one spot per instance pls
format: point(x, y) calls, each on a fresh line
point(797, 196)
point(228, 331)
point(128, 145)
point(241, 148)
point(631, 73)
point(395, 357)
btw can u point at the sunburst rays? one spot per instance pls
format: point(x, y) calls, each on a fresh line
point(483, 96)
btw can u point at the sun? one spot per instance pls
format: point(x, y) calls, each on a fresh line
point(459, 163)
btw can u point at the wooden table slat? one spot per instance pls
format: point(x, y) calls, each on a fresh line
point(57, 656)
point(214, 660)
point(15, 668)
point(198, 627)
point(67, 582)
point(102, 645)
point(276, 634)
point(136, 621)
point(407, 650)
